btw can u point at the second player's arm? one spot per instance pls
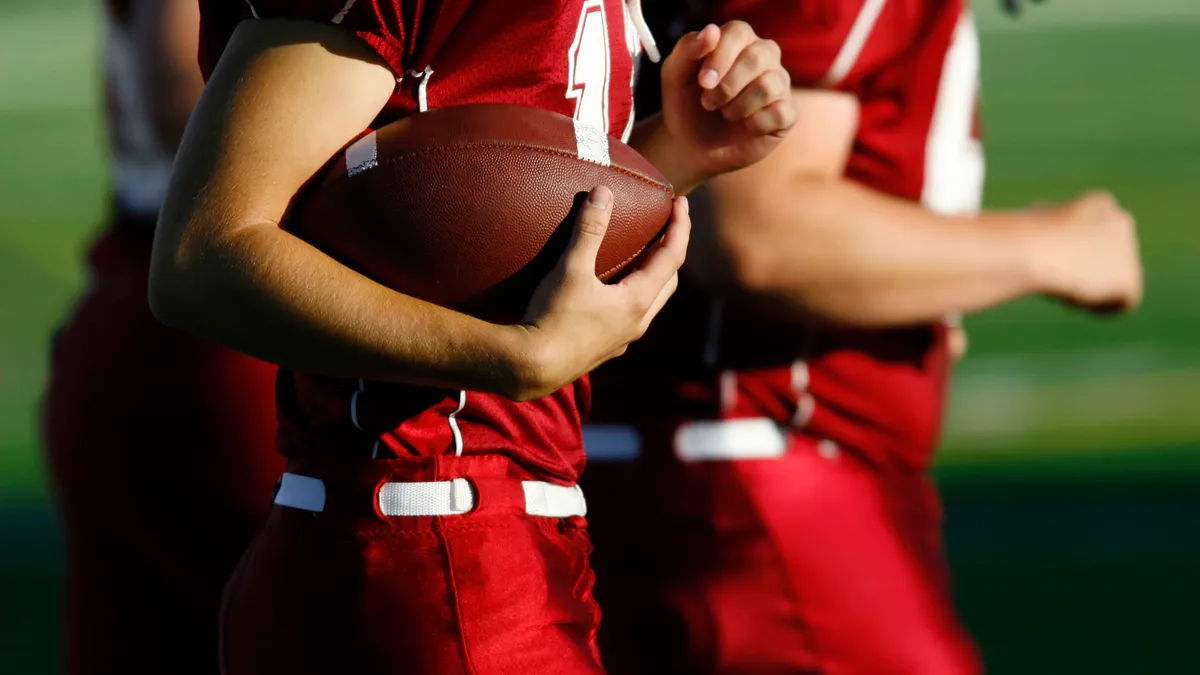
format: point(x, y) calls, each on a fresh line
point(794, 229)
point(285, 97)
point(165, 41)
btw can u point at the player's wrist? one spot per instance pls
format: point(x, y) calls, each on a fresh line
point(1043, 253)
point(533, 363)
point(670, 155)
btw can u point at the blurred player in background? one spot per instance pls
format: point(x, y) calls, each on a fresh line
point(160, 444)
point(789, 398)
point(381, 392)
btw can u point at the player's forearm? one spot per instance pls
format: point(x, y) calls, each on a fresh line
point(651, 139)
point(266, 293)
point(166, 39)
point(852, 255)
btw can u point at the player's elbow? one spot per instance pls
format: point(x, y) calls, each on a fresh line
point(173, 284)
point(751, 268)
point(776, 240)
point(756, 261)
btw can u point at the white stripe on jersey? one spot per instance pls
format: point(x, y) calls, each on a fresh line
point(844, 62)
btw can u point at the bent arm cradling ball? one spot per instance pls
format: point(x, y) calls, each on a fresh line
point(223, 268)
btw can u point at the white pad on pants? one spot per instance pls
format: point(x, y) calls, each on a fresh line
point(435, 498)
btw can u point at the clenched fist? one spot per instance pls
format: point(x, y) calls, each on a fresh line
point(726, 98)
point(1088, 254)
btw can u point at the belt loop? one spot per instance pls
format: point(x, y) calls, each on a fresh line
point(498, 495)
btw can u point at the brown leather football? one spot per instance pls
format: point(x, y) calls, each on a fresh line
point(470, 206)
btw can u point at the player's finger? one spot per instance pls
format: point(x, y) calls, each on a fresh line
point(590, 226)
point(696, 45)
point(775, 119)
point(666, 258)
point(735, 37)
point(659, 301)
point(756, 59)
point(764, 90)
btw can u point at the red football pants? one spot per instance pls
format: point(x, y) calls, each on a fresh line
point(160, 447)
point(801, 564)
point(492, 592)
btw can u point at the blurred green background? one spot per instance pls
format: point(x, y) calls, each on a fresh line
point(1072, 457)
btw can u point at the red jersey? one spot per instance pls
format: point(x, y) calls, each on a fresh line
point(574, 57)
point(913, 66)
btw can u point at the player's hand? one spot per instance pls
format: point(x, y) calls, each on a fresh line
point(575, 322)
point(726, 98)
point(1014, 7)
point(1088, 255)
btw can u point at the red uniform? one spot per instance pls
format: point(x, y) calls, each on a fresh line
point(160, 445)
point(786, 461)
point(498, 589)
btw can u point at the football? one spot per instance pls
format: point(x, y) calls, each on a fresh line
point(471, 206)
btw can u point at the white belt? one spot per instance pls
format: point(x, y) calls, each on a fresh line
point(435, 498)
point(699, 441)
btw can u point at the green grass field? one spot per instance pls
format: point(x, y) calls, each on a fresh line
point(1072, 458)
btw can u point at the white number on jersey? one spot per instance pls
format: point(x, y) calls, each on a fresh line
point(588, 70)
point(953, 152)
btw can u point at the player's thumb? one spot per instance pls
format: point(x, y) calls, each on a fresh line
point(590, 226)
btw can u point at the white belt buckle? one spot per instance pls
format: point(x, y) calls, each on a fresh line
point(726, 440)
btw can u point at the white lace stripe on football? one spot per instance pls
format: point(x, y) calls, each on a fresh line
point(591, 144)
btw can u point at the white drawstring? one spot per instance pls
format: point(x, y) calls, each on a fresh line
point(644, 34)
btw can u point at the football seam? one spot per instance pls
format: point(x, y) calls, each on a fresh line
point(619, 266)
point(342, 175)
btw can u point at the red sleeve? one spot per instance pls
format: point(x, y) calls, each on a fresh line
point(384, 25)
point(825, 43)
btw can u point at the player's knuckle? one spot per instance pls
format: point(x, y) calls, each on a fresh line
point(1102, 198)
point(593, 222)
point(722, 93)
point(755, 57)
point(789, 112)
point(764, 121)
point(788, 115)
point(773, 85)
point(761, 88)
point(738, 29)
point(782, 80)
point(784, 77)
point(641, 304)
point(675, 256)
point(640, 331)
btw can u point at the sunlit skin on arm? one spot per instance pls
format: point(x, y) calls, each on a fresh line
point(285, 97)
point(791, 228)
